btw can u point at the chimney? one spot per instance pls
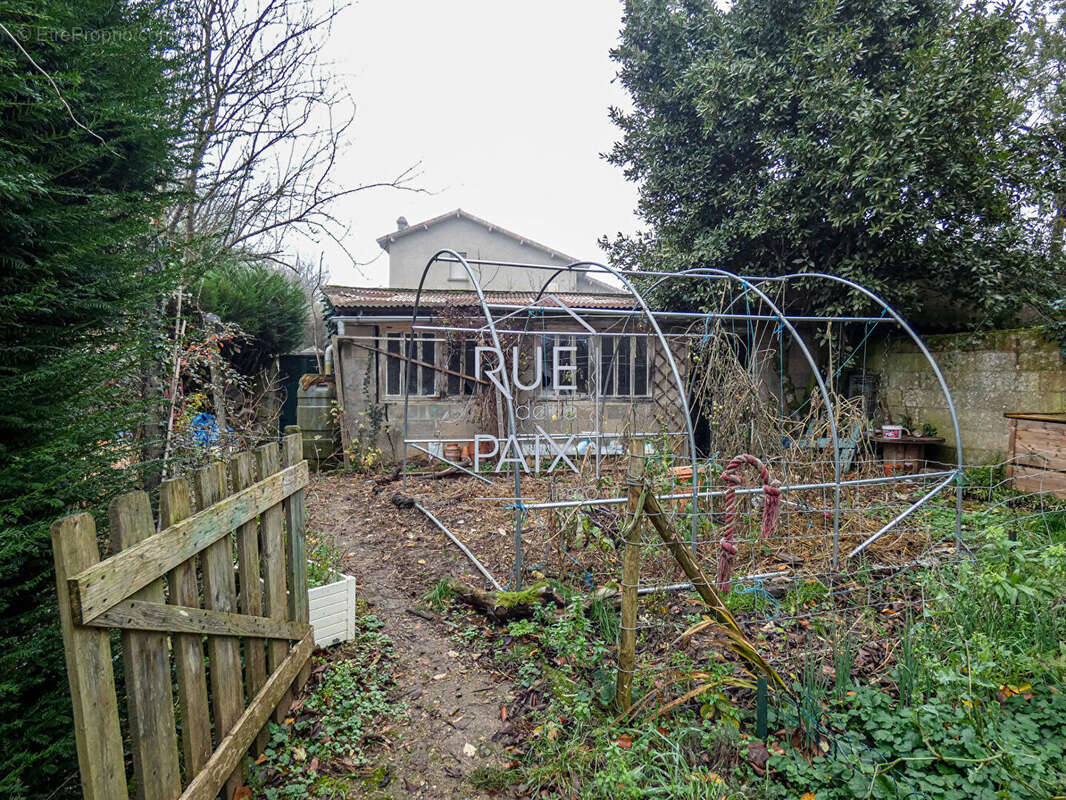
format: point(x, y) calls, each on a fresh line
point(401, 223)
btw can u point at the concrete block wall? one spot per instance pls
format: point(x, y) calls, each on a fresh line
point(989, 374)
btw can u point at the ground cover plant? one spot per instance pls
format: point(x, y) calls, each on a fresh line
point(946, 682)
point(326, 747)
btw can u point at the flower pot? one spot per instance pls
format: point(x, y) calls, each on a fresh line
point(331, 611)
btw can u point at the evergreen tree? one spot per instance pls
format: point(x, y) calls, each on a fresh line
point(886, 141)
point(85, 129)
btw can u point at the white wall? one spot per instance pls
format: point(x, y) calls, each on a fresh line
point(408, 256)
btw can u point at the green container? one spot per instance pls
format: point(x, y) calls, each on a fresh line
point(314, 406)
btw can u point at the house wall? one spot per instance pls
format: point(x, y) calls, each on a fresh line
point(361, 383)
point(988, 375)
point(408, 256)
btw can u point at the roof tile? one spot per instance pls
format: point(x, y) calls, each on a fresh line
point(344, 298)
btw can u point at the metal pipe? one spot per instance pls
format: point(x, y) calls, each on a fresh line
point(830, 409)
point(677, 587)
point(682, 395)
point(904, 514)
point(932, 363)
point(505, 383)
point(547, 332)
point(461, 546)
point(621, 312)
point(799, 487)
point(449, 462)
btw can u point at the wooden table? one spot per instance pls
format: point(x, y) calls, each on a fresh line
point(905, 455)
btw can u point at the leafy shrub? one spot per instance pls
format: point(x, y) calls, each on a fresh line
point(945, 751)
point(269, 306)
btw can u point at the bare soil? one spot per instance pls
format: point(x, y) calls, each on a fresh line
point(454, 704)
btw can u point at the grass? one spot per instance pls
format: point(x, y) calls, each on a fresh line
point(437, 598)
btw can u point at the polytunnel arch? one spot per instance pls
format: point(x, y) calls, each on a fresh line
point(641, 311)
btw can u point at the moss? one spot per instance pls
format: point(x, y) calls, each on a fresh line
point(493, 778)
point(527, 596)
point(376, 777)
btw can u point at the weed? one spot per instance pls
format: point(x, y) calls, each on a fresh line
point(340, 719)
point(494, 778)
point(439, 596)
point(605, 618)
point(323, 560)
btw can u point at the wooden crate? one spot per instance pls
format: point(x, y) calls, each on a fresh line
point(1037, 451)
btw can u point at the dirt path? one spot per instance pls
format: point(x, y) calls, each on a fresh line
point(453, 703)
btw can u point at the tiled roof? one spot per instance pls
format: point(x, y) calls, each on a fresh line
point(344, 298)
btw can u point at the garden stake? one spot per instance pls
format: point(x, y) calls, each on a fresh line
point(726, 623)
point(760, 708)
point(627, 635)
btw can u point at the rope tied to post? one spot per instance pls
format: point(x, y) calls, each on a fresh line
point(770, 510)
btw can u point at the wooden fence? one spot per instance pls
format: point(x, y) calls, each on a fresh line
point(170, 593)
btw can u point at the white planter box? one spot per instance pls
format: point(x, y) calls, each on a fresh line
point(332, 611)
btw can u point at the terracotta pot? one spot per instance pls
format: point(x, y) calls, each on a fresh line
point(452, 451)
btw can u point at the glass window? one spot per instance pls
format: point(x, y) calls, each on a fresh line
point(461, 359)
point(422, 377)
point(574, 365)
point(624, 365)
point(456, 271)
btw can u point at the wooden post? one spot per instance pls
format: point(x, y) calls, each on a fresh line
point(273, 550)
point(295, 542)
point(92, 680)
point(242, 475)
point(704, 587)
point(627, 637)
point(175, 505)
point(146, 661)
point(220, 594)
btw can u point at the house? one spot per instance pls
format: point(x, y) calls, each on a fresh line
point(411, 246)
point(580, 365)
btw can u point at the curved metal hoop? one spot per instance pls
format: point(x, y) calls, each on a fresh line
point(750, 284)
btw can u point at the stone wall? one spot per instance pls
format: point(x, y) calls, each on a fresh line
point(988, 374)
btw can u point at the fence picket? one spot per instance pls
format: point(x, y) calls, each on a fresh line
point(126, 591)
point(96, 589)
point(242, 475)
point(295, 551)
point(273, 551)
point(146, 661)
point(220, 594)
point(174, 506)
point(92, 680)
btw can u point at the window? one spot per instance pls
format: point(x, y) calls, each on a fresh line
point(461, 359)
point(422, 378)
point(624, 365)
point(573, 365)
point(456, 271)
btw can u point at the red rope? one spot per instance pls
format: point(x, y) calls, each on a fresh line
point(771, 508)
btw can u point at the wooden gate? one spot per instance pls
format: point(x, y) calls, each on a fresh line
point(232, 575)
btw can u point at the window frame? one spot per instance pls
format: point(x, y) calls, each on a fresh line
point(609, 385)
point(594, 377)
point(401, 338)
point(463, 352)
point(547, 390)
point(456, 271)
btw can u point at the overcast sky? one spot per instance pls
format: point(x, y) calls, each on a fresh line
point(504, 104)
